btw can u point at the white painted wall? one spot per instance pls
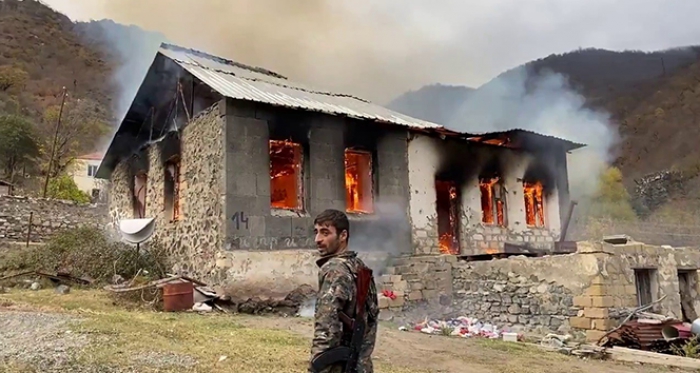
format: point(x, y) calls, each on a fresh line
point(79, 172)
point(423, 162)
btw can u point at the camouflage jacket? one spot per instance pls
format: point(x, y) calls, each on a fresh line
point(336, 292)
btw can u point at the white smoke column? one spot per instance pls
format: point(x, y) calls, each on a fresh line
point(546, 104)
point(377, 241)
point(135, 49)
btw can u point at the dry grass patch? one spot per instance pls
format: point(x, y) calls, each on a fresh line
point(183, 342)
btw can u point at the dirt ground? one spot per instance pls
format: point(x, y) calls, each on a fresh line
point(85, 332)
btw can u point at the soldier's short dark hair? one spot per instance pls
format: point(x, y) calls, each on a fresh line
point(334, 218)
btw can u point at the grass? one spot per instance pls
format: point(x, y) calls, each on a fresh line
point(119, 335)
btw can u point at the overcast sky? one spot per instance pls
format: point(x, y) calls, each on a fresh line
point(380, 48)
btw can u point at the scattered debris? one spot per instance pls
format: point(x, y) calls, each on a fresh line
point(59, 277)
point(35, 286)
point(461, 326)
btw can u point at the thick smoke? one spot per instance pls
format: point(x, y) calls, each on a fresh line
point(369, 50)
point(546, 104)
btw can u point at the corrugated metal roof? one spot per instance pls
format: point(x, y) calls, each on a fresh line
point(242, 82)
point(572, 145)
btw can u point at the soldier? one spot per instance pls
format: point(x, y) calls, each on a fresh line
point(340, 275)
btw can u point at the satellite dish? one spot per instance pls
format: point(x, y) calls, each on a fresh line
point(137, 231)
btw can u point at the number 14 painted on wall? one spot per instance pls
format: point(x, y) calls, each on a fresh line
point(239, 218)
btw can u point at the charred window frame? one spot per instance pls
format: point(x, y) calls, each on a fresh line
point(288, 150)
point(359, 165)
point(140, 182)
point(449, 207)
point(646, 285)
point(493, 197)
point(172, 188)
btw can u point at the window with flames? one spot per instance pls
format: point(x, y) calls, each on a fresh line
point(286, 175)
point(358, 182)
point(493, 201)
point(448, 211)
point(534, 203)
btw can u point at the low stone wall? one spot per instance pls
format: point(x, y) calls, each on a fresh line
point(525, 294)
point(50, 216)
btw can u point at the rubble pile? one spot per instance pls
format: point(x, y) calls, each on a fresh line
point(649, 332)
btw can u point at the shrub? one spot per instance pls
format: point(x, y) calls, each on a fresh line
point(63, 187)
point(90, 252)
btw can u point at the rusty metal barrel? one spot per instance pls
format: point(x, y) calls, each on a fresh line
point(178, 296)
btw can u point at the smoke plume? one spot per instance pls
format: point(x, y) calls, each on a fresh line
point(368, 50)
point(544, 103)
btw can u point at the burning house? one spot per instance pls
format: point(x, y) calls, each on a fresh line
point(234, 162)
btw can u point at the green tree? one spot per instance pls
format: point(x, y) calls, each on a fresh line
point(63, 187)
point(19, 145)
point(12, 78)
point(611, 199)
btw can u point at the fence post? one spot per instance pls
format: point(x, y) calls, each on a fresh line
point(29, 229)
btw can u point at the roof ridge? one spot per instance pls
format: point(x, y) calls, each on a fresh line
point(223, 60)
point(327, 93)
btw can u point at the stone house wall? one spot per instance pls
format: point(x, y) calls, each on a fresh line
point(196, 238)
point(50, 216)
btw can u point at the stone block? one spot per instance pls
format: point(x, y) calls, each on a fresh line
point(383, 302)
point(596, 313)
point(605, 301)
point(415, 285)
point(580, 322)
point(596, 290)
point(400, 286)
point(399, 301)
point(429, 294)
point(390, 270)
point(415, 295)
point(602, 324)
point(594, 335)
point(583, 301)
point(598, 280)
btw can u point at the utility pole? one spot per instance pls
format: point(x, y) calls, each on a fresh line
point(55, 139)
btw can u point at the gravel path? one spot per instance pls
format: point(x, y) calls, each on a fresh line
point(44, 342)
point(41, 340)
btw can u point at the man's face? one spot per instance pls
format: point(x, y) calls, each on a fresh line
point(328, 241)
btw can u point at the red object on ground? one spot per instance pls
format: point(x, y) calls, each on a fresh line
point(389, 294)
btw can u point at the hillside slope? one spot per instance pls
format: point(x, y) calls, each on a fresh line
point(41, 43)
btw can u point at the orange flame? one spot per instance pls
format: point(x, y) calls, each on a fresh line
point(534, 203)
point(448, 242)
point(488, 201)
point(285, 174)
point(358, 181)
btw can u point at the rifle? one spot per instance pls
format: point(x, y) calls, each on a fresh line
point(349, 354)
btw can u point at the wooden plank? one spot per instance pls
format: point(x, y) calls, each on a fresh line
point(646, 357)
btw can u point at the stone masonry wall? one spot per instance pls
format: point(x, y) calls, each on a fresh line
point(614, 290)
point(195, 239)
point(526, 294)
point(50, 216)
point(586, 293)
